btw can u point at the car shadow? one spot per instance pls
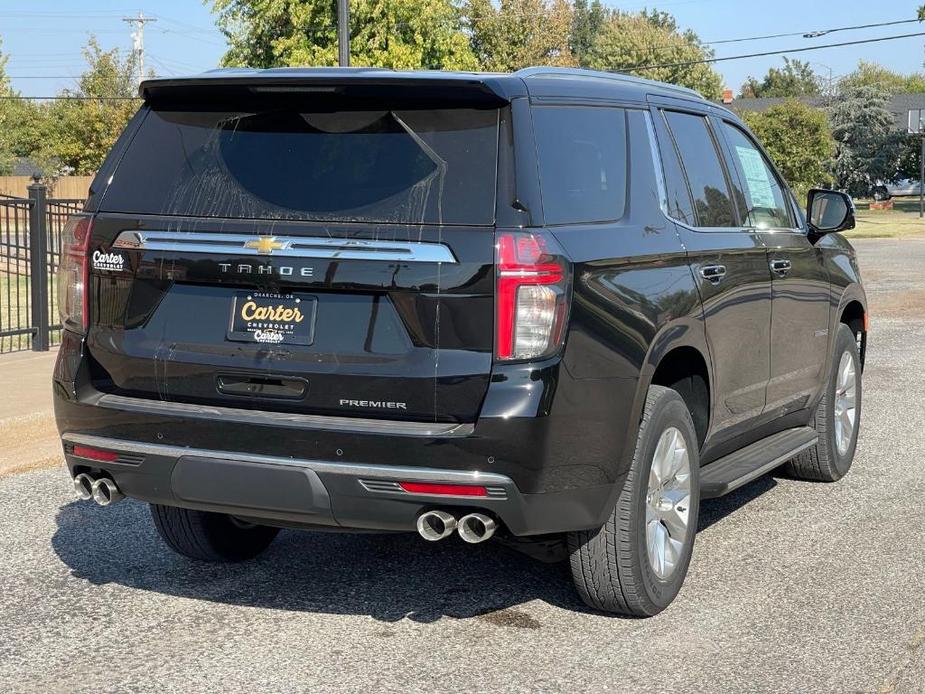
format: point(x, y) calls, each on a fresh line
point(712, 511)
point(386, 576)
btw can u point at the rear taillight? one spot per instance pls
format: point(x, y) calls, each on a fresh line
point(73, 273)
point(532, 295)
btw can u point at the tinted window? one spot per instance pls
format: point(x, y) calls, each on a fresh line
point(415, 166)
point(680, 205)
point(765, 197)
point(582, 163)
point(712, 199)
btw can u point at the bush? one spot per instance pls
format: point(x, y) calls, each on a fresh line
point(799, 140)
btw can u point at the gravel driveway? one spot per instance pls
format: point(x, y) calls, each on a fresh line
point(794, 586)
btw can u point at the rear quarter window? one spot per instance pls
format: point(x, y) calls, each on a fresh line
point(582, 163)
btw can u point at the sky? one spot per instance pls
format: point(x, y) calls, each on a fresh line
point(43, 38)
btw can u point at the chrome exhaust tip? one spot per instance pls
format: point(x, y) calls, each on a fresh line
point(83, 486)
point(436, 525)
point(105, 492)
point(476, 527)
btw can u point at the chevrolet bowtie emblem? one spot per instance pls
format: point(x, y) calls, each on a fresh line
point(265, 245)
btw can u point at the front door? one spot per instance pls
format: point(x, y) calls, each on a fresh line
point(800, 282)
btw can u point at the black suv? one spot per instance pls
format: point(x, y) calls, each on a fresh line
point(554, 304)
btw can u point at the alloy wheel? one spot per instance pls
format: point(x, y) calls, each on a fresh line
point(668, 503)
point(846, 388)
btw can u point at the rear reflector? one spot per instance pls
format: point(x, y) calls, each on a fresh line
point(443, 489)
point(95, 454)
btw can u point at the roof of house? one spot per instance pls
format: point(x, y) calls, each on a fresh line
point(899, 105)
point(24, 166)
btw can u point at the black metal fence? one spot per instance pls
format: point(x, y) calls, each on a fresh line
point(30, 250)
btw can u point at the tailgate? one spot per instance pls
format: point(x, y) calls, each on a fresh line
point(332, 263)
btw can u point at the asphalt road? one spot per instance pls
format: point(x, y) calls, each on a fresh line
point(794, 586)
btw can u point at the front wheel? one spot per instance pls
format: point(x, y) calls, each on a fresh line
point(214, 537)
point(636, 562)
point(838, 416)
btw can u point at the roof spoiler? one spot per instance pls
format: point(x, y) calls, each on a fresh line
point(354, 85)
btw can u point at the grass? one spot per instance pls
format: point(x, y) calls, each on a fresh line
point(15, 304)
point(902, 221)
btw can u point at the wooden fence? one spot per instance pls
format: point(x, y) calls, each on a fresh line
point(74, 187)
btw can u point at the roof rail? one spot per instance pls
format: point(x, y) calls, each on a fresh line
point(527, 73)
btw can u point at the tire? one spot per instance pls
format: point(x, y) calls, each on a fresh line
point(213, 537)
point(611, 565)
point(826, 462)
point(880, 193)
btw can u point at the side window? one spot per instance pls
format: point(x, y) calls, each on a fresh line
point(765, 196)
point(680, 205)
point(582, 163)
point(706, 178)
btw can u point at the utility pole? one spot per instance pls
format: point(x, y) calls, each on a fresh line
point(343, 33)
point(138, 42)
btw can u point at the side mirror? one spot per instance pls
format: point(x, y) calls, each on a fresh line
point(828, 211)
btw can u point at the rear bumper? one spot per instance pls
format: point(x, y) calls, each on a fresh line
point(299, 492)
point(548, 443)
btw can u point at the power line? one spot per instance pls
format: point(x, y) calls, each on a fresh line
point(50, 77)
point(811, 34)
point(10, 97)
point(706, 61)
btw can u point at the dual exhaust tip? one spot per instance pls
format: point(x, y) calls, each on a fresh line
point(472, 528)
point(102, 490)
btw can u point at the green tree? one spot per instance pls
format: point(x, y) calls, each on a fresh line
point(868, 147)
point(799, 140)
point(587, 21)
point(910, 154)
point(401, 34)
point(520, 33)
point(877, 76)
point(80, 131)
point(6, 154)
point(7, 116)
point(796, 78)
point(627, 41)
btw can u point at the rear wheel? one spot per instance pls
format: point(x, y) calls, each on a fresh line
point(837, 417)
point(215, 537)
point(636, 562)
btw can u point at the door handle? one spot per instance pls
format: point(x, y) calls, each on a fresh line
point(713, 273)
point(781, 266)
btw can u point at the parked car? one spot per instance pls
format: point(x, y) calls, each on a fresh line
point(903, 187)
point(549, 304)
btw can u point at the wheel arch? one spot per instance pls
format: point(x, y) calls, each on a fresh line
point(852, 311)
point(679, 350)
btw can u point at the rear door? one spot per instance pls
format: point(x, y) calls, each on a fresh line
point(310, 260)
point(729, 264)
point(800, 281)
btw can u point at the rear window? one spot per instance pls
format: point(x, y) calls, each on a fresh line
point(582, 163)
point(411, 166)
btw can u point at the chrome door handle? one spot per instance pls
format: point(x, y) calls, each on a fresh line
point(713, 273)
point(781, 266)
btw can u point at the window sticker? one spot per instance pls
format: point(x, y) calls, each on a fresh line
point(757, 176)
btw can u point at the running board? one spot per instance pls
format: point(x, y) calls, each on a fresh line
point(736, 469)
